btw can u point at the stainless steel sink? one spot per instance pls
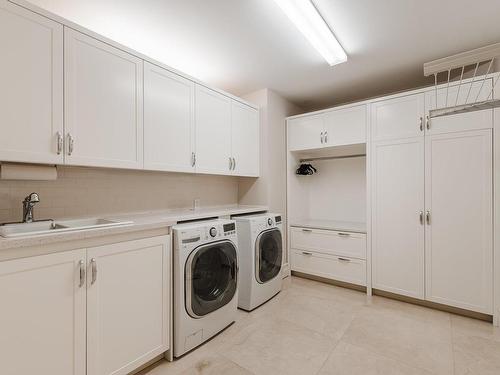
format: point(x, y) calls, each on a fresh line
point(51, 226)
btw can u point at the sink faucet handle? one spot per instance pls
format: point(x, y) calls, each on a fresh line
point(32, 198)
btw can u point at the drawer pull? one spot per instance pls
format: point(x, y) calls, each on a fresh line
point(306, 253)
point(307, 230)
point(344, 234)
point(344, 260)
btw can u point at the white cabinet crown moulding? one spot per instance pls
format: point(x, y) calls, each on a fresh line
point(121, 109)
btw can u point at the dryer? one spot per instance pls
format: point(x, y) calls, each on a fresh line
point(260, 250)
point(205, 281)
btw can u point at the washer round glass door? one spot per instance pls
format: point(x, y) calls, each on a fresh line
point(268, 255)
point(210, 277)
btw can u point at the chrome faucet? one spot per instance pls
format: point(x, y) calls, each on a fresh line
point(28, 204)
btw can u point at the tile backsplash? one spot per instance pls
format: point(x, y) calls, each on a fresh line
point(93, 191)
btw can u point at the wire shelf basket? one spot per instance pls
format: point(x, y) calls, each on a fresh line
point(458, 93)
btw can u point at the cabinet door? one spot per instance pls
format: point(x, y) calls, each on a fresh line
point(103, 104)
point(397, 229)
point(306, 133)
point(43, 315)
point(128, 293)
point(346, 126)
point(168, 120)
point(459, 252)
point(31, 89)
point(400, 117)
point(245, 135)
point(213, 132)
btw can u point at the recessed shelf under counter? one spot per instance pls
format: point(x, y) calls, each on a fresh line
point(347, 226)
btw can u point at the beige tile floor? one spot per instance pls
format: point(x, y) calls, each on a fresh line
point(314, 328)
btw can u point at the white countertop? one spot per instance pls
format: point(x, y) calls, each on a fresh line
point(141, 221)
point(346, 226)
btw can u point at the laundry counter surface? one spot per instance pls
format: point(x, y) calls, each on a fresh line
point(141, 221)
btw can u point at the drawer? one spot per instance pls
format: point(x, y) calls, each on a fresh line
point(347, 244)
point(348, 270)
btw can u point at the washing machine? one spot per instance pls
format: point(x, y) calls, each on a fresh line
point(260, 251)
point(205, 281)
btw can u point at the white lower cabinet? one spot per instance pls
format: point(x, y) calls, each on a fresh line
point(330, 254)
point(128, 292)
point(97, 311)
point(42, 314)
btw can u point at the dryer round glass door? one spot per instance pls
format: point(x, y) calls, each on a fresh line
point(268, 255)
point(210, 278)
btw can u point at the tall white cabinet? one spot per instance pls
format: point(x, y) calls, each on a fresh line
point(31, 89)
point(432, 199)
point(103, 103)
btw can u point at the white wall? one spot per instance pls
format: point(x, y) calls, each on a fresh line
point(270, 188)
point(337, 191)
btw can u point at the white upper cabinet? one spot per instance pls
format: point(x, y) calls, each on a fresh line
point(306, 133)
point(31, 89)
point(397, 118)
point(128, 294)
point(213, 132)
point(103, 104)
point(345, 126)
point(43, 314)
point(458, 199)
point(397, 216)
point(168, 121)
point(245, 135)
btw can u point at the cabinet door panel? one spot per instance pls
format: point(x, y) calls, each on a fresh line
point(304, 133)
point(459, 252)
point(103, 106)
point(42, 315)
point(168, 120)
point(397, 233)
point(213, 131)
point(397, 118)
point(127, 305)
point(346, 126)
point(245, 145)
point(31, 89)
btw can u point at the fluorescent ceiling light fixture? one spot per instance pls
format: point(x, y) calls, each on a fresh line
point(307, 19)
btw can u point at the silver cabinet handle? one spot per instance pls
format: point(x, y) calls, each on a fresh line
point(307, 253)
point(344, 234)
point(344, 260)
point(427, 122)
point(422, 217)
point(230, 163)
point(82, 273)
point(93, 267)
point(59, 143)
point(307, 230)
point(421, 123)
point(71, 144)
point(326, 137)
point(193, 159)
point(321, 137)
point(428, 217)
point(234, 164)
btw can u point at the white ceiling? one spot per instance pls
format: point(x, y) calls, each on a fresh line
point(245, 45)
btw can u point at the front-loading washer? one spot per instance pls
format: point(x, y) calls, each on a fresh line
point(260, 251)
point(205, 281)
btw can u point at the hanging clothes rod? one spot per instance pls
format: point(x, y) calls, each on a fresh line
point(333, 157)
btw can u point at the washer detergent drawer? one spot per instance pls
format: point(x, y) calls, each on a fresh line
point(348, 244)
point(349, 270)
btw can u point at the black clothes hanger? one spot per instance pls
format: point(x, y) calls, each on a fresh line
point(305, 169)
